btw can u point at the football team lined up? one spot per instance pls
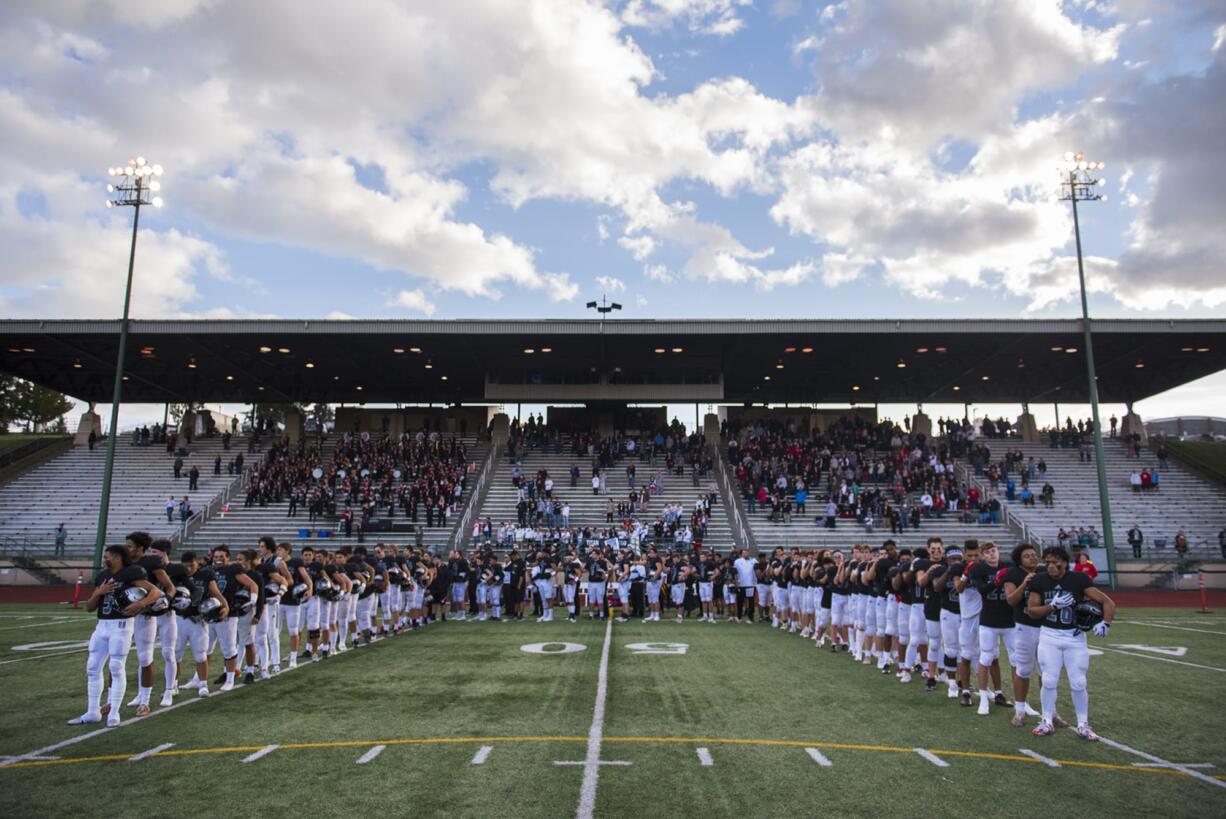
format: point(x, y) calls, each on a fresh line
point(930, 611)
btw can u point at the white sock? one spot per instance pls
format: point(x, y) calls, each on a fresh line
point(229, 678)
point(144, 693)
point(171, 672)
point(93, 693)
point(1019, 708)
point(119, 682)
point(1047, 696)
point(1081, 704)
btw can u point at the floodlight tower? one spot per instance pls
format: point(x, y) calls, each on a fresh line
point(134, 185)
point(1079, 184)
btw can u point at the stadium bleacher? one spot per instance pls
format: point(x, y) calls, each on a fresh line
point(66, 489)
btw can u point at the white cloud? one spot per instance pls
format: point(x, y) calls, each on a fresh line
point(339, 315)
point(640, 247)
point(657, 273)
point(414, 300)
point(611, 284)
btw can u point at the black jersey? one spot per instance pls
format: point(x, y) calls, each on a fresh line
point(707, 570)
point(949, 595)
point(373, 576)
point(596, 570)
point(227, 582)
point(997, 613)
point(1017, 576)
point(904, 589)
point(1047, 587)
point(881, 580)
point(198, 587)
point(826, 581)
point(840, 587)
point(257, 579)
point(115, 601)
point(292, 566)
point(151, 564)
point(459, 570)
point(919, 594)
point(675, 573)
point(496, 574)
point(779, 572)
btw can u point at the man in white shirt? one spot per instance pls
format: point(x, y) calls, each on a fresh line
point(746, 581)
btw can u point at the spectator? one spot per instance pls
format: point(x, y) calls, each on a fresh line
point(1221, 541)
point(170, 509)
point(93, 439)
point(1134, 480)
point(1048, 495)
point(832, 511)
point(61, 540)
point(1162, 455)
point(1181, 544)
point(178, 467)
point(1085, 566)
point(193, 478)
point(185, 509)
point(1136, 538)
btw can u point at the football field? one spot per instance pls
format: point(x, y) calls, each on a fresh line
point(614, 719)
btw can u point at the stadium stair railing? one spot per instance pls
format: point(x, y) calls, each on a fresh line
point(732, 501)
point(481, 488)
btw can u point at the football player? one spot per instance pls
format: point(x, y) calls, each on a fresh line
point(542, 578)
point(597, 577)
point(1016, 584)
point(296, 601)
point(572, 570)
point(121, 592)
point(145, 625)
point(995, 625)
point(251, 610)
point(950, 617)
point(201, 586)
point(168, 628)
point(231, 580)
point(925, 575)
point(917, 633)
point(970, 603)
point(762, 572)
point(1055, 596)
point(275, 579)
point(459, 584)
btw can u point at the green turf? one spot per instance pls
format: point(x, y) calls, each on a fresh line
point(735, 687)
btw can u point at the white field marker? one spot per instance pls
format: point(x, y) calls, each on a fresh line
point(1201, 765)
point(263, 752)
point(591, 764)
point(819, 757)
point(1048, 761)
point(155, 750)
point(371, 754)
point(931, 757)
point(482, 754)
point(595, 734)
point(704, 758)
point(1162, 659)
point(1160, 761)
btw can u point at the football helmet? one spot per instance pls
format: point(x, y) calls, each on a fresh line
point(1087, 615)
point(134, 594)
point(183, 598)
point(160, 606)
point(298, 591)
point(357, 588)
point(210, 610)
point(243, 601)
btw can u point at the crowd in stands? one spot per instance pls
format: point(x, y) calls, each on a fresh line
point(417, 476)
point(543, 514)
point(872, 473)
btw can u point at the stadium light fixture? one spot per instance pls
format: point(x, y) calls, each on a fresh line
point(131, 188)
point(806, 349)
point(1078, 184)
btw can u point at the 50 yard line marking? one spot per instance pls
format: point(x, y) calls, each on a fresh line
point(591, 762)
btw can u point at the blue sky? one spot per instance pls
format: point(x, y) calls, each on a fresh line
point(697, 158)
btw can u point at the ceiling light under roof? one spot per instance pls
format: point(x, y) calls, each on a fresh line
point(546, 349)
point(76, 365)
point(902, 365)
point(1139, 365)
point(921, 349)
point(855, 387)
point(957, 388)
point(1202, 349)
point(442, 378)
point(1070, 349)
point(415, 349)
point(678, 350)
point(529, 351)
point(229, 378)
point(266, 349)
point(398, 350)
point(985, 378)
point(789, 349)
point(779, 366)
point(1057, 349)
point(659, 350)
point(806, 349)
point(310, 365)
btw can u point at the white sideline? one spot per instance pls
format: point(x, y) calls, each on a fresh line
point(1159, 659)
point(1162, 762)
point(43, 656)
point(595, 735)
point(1160, 625)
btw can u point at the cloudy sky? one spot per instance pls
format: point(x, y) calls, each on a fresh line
point(713, 158)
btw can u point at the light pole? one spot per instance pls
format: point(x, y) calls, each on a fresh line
point(1078, 185)
point(133, 187)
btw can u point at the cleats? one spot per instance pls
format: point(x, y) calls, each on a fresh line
point(86, 719)
point(1086, 732)
point(168, 699)
point(142, 710)
point(1044, 729)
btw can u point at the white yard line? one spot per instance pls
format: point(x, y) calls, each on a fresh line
point(1048, 761)
point(704, 757)
point(1175, 628)
point(482, 754)
point(165, 746)
point(931, 757)
point(43, 656)
point(1164, 763)
point(156, 749)
point(263, 752)
point(1160, 659)
point(371, 754)
point(595, 735)
point(819, 757)
point(56, 622)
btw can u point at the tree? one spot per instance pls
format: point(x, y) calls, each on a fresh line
point(45, 405)
point(11, 399)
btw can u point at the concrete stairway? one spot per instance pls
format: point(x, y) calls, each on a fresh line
point(242, 527)
point(67, 488)
point(587, 509)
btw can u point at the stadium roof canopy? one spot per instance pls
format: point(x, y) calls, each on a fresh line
point(589, 361)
